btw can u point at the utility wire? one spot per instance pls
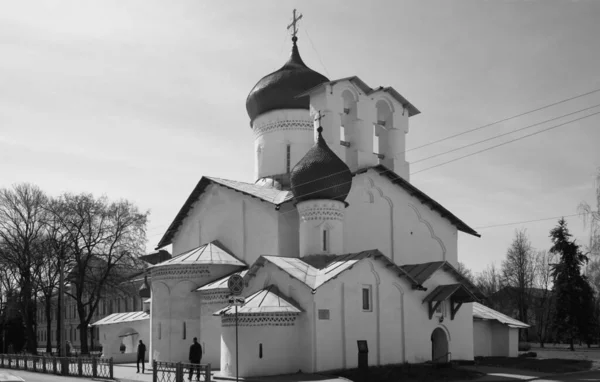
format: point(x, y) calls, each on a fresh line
point(505, 143)
point(505, 119)
point(504, 134)
point(526, 221)
point(315, 49)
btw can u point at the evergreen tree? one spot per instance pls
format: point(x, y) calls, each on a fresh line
point(574, 295)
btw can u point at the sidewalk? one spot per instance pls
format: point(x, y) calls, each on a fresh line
point(493, 373)
point(128, 372)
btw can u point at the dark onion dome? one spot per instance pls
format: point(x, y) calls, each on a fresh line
point(145, 289)
point(279, 89)
point(320, 174)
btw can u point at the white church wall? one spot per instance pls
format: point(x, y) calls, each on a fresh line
point(384, 216)
point(500, 340)
point(459, 330)
point(245, 226)
point(382, 325)
point(482, 338)
point(210, 332)
point(273, 132)
point(176, 305)
point(289, 239)
point(111, 340)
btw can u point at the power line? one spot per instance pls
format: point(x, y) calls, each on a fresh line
point(526, 221)
point(505, 119)
point(315, 49)
point(505, 143)
point(502, 135)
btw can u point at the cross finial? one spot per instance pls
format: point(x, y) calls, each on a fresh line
point(318, 117)
point(293, 26)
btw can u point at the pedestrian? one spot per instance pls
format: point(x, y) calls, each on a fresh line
point(195, 358)
point(68, 349)
point(141, 356)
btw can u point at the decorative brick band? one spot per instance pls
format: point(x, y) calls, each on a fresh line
point(260, 319)
point(321, 210)
point(188, 271)
point(292, 124)
point(215, 297)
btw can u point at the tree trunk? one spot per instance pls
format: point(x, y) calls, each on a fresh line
point(83, 333)
point(48, 325)
point(59, 324)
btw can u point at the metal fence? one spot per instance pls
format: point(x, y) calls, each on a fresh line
point(179, 372)
point(91, 367)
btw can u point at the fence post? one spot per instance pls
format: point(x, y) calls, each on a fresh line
point(154, 371)
point(110, 368)
point(178, 372)
point(54, 365)
point(208, 375)
point(44, 369)
point(94, 367)
point(64, 365)
point(79, 366)
point(34, 363)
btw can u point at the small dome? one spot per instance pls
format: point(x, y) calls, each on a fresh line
point(279, 89)
point(321, 174)
point(144, 290)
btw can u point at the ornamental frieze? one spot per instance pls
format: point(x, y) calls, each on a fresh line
point(180, 272)
point(292, 124)
point(215, 297)
point(264, 319)
point(322, 213)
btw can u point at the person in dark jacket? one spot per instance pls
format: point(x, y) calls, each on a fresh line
point(141, 356)
point(195, 358)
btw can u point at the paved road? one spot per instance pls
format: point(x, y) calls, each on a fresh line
point(592, 375)
point(40, 377)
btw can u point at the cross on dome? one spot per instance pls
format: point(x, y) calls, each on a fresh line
point(293, 26)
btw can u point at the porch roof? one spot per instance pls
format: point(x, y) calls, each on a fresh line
point(483, 312)
point(268, 300)
point(117, 318)
point(458, 292)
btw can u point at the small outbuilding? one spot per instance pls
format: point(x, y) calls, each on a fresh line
point(495, 334)
point(120, 334)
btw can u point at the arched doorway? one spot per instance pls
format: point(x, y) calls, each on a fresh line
point(439, 346)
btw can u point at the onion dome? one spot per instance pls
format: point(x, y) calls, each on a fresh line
point(320, 174)
point(145, 288)
point(279, 89)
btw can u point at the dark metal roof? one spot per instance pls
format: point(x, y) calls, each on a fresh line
point(423, 271)
point(320, 174)
point(458, 292)
point(367, 90)
point(278, 90)
point(424, 198)
point(266, 194)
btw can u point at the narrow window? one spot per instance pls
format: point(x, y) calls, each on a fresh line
point(366, 299)
point(259, 350)
point(159, 330)
point(375, 140)
point(325, 243)
point(184, 331)
point(288, 160)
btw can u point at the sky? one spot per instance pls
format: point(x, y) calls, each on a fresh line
point(139, 99)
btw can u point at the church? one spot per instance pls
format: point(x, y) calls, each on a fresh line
point(338, 251)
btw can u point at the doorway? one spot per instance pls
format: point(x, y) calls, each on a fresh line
point(439, 346)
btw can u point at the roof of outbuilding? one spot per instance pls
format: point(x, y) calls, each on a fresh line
point(483, 312)
point(458, 291)
point(423, 271)
point(117, 318)
point(210, 253)
point(268, 300)
point(314, 277)
point(265, 194)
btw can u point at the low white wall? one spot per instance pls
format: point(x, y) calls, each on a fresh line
point(279, 350)
point(111, 342)
point(482, 338)
point(513, 342)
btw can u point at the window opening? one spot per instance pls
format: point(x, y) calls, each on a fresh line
point(325, 243)
point(159, 330)
point(184, 331)
point(366, 298)
point(260, 353)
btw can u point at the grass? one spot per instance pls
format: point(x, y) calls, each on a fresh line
point(408, 373)
point(548, 365)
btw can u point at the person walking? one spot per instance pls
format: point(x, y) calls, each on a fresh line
point(141, 356)
point(195, 358)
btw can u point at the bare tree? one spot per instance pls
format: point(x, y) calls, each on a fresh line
point(465, 272)
point(543, 298)
point(8, 287)
point(106, 239)
point(22, 216)
point(489, 282)
point(591, 219)
point(518, 274)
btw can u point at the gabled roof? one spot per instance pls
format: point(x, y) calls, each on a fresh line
point(220, 283)
point(117, 318)
point(314, 278)
point(415, 192)
point(211, 253)
point(268, 300)
point(457, 292)
point(265, 194)
point(412, 110)
point(423, 271)
point(483, 312)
